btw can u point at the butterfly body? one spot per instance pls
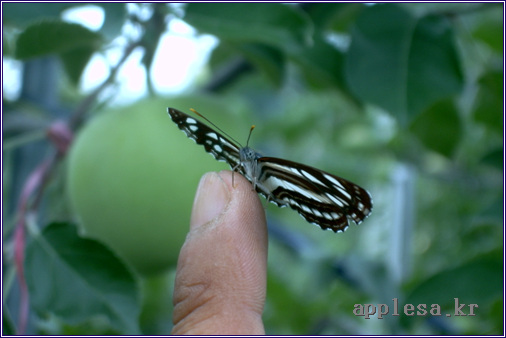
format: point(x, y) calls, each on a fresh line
point(248, 164)
point(319, 197)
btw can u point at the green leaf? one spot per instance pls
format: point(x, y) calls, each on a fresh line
point(496, 315)
point(439, 128)
point(51, 37)
point(74, 43)
point(285, 309)
point(9, 329)
point(434, 67)
point(490, 28)
point(402, 63)
point(23, 14)
point(157, 303)
point(77, 279)
point(267, 59)
point(492, 213)
point(477, 282)
point(322, 64)
point(495, 158)
point(75, 61)
point(277, 25)
point(488, 108)
point(333, 16)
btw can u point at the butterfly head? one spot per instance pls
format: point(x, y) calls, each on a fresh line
point(247, 154)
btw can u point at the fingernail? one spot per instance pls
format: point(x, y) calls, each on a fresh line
point(210, 200)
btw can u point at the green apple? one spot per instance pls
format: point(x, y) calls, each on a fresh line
point(132, 176)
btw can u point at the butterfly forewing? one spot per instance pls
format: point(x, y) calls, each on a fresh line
point(319, 197)
point(216, 144)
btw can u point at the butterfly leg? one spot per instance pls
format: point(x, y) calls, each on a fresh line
point(254, 183)
point(233, 171)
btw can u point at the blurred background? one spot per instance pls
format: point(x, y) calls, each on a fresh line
point(406, 100)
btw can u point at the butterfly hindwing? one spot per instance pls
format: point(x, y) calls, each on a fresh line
point(319, 197)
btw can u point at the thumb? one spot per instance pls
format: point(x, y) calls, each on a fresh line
point(221, 275)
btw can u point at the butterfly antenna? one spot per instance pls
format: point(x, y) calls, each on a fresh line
point(215, 126)
point(250, 131)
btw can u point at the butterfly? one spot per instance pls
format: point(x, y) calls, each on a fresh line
point(320, 198)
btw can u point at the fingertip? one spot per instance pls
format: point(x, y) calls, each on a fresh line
point(211, 199)
point(222, 268)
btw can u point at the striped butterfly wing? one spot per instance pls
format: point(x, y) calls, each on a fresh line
point(319, 197)
point(216, 144)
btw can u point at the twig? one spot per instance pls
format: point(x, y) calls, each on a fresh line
point(36, 182)
point(78, 115)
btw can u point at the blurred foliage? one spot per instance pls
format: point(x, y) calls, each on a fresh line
point(406, 100)
point(85, 273)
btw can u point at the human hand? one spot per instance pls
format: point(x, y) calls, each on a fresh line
point(222, 268)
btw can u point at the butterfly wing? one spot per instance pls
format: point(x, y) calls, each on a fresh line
point(319, 197)
point(217, 145)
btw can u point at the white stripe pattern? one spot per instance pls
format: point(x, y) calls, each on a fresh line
point(319, 197)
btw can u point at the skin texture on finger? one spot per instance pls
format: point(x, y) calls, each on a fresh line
point(221, 275)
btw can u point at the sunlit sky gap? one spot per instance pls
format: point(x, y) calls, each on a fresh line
point(179, 59)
